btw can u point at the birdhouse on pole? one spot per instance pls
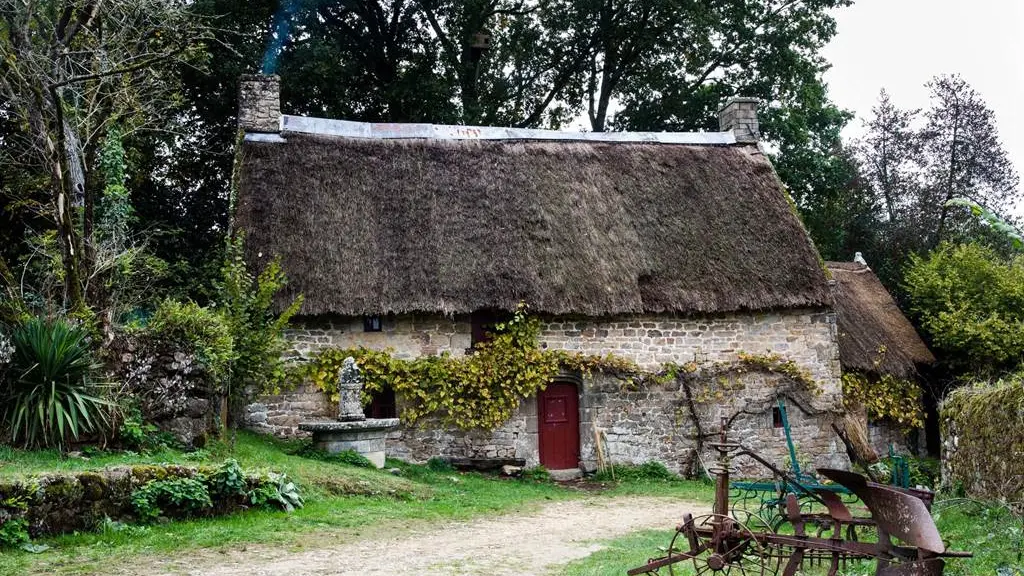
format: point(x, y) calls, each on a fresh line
point(479, 43)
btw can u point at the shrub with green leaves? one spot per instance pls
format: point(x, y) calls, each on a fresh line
point(536, 474)
point(275, 490)
point(228, 481)
point(970, 301)
point(246, 304)
point(196, 328)
point(646, 472)
point(178, 497)
point(350, 457)
point(49, 394)
point(13, 532)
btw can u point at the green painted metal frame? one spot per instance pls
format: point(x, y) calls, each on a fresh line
point(772, 495)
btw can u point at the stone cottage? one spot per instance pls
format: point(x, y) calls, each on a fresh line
point(658, 247)
point(876, 340)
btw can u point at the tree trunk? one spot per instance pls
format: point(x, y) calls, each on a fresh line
point(944, 210)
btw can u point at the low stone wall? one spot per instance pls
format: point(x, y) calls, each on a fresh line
point(173, 390)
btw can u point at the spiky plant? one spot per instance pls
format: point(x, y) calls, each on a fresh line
point(49, 395)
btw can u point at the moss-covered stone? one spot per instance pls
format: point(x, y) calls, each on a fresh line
point(80, 501)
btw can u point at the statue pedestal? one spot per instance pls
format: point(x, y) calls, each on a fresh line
point(364, 436)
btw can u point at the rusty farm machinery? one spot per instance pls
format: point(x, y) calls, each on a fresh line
point(814, 527)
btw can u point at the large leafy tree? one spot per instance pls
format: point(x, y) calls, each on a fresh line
point(963, 158)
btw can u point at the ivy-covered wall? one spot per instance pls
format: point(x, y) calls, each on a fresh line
point(805, 336)
point(641, 423)
point(650, 423)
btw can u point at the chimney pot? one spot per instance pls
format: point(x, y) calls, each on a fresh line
point(259, 103)
point(739, 116)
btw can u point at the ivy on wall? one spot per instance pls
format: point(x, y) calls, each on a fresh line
point(983, 428)
point(885, 397)
point(483, 389)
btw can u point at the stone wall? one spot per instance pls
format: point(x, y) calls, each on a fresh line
point(173, 389)
point(882, 434)
point(407, 336)
point(279, 415)
point(650, 423)
point(807, 337)
point(640, 425)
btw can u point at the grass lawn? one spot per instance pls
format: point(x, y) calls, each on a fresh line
point(342, 502)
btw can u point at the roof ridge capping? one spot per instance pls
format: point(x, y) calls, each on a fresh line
point(398, 131)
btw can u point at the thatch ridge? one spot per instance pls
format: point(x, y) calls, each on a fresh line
point(869, 321)
point(398, 226)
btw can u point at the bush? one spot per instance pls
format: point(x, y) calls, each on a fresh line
point(13, 532)
point(536, 474)
point(192, 327)
point(180, 497)
point(970, 301)
point(48, 395)
point(436, 464)
point(983, 428)
point(94, 500)
point(646, 472)
point(276, 491)
point(246, 304)
point(349, 457)
point(228, 482)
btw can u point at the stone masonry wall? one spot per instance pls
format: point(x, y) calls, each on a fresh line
point(650, 423)
point(640, 425)
point(407, 336)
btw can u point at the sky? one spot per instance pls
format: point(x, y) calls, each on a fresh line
point(901, 44)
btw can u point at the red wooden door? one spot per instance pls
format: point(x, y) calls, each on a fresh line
point(558, 423)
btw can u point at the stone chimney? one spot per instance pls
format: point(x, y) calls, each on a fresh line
point(259, 103)
point(739, 115)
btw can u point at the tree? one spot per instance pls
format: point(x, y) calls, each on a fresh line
point(913, 171)
point(963, 158)
point(891, 152)
point(69, 70)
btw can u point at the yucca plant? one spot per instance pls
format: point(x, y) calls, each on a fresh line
point(48, 395)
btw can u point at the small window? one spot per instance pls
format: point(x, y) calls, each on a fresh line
point(776, 418)
point(481, 324)
point(371, 324)
point(382, 405)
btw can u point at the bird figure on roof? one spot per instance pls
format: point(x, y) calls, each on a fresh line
point(859, 259)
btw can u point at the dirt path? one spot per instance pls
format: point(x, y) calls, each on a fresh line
point(515, 544)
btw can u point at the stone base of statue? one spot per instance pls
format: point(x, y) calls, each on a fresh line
point(352, 430)
point(364, 436)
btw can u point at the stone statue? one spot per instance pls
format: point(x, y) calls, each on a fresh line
point(350, 392)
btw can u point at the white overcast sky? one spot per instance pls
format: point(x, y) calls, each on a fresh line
point(901, 44)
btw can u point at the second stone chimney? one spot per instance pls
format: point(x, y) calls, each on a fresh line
point(259, 103)
point(739, 115)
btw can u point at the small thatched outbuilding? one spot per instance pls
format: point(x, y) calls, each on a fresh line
point(875, 338)
point(675, 247)
point(874, 335)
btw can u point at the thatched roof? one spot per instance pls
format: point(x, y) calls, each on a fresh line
point(376, 225)
point(870, 321)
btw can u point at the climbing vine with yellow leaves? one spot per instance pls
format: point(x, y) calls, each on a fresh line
point(885, 397)
point(483, 389)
